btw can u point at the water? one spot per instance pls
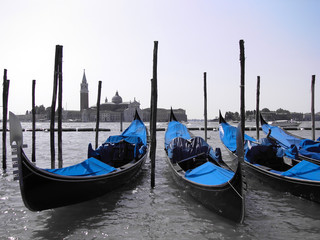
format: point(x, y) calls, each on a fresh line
point(138, 212)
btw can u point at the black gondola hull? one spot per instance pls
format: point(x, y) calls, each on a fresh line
point(301, 188)
point(306, 189)
point(226, 199)
point(42, 190)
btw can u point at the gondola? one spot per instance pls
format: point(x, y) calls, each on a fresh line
point(203, 173)
point(263, 160)
point(295, 147)
point(113, 164)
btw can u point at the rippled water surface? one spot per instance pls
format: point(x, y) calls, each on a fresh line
point(138, 212)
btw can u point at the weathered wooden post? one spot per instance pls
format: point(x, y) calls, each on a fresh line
point(242, 82)
point(98, 113)
point(5, 94)
point(154, 97)
point(53, 106)
point(121, 121)
point(33, 157)
point(60, 162)
point(150, 119)
point(313, 80)
point(205, 105)
point(257, 107)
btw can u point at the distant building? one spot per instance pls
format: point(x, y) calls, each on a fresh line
point(163, 115)
point(117, 110)
point(113, 111)
point(84, 93)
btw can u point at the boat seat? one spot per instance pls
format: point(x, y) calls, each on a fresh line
point(115, 154)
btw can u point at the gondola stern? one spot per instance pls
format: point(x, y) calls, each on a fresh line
point(221, 119)
point(262, 121)
point(172, 116)
point(16, 137)
point(136, 116)
point(15, 130)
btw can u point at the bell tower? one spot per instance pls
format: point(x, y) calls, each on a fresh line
point(84, 93)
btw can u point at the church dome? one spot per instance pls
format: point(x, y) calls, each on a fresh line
point(117, 98)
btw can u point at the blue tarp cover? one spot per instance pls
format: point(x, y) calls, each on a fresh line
point(228, 135)
point(309, 148)
point(292, 152)
point(304, 170)
point(136, 130)
point(135, 134)
point(281, 136)
point(305, 147)
point(209, 174)
point(89, 167)
point(176, 129)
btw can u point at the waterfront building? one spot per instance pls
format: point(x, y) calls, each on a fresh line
point(115, 110)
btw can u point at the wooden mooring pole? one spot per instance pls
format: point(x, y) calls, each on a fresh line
point(313, 125)
point(154, 97)
point(98, 114)
point(121, 121)
point(53, 103)
point(33, 154)
point(60, 161)
point(5, 94)
point(205, 105)
point(150, 120)
point(242, 83)
point(257, 107)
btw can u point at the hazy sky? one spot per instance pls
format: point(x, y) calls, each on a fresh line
point(113, 41)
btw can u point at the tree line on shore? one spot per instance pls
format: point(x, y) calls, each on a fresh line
point(279, 114)
point(268, 115)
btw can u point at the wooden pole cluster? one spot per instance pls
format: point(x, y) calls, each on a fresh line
point(98, 113)
point(153, 125)
point(257, 107)
point(242, 78)
point(33, 157)
point(5, 94)
point(205, 105)
point(57, 80)
point(313, 80)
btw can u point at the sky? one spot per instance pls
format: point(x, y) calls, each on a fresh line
point(113, 41)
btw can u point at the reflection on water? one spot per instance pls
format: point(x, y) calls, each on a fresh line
point(138, 212)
